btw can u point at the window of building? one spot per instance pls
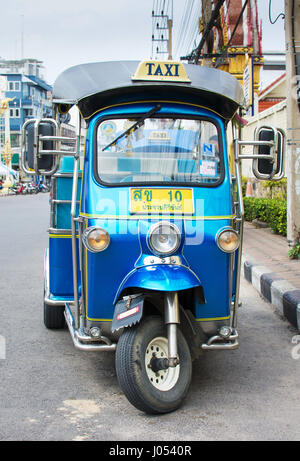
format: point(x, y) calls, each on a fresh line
point(13, 86)
point(15, 139)
point(14, 112)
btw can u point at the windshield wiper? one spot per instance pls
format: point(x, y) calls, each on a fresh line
point(135, 126)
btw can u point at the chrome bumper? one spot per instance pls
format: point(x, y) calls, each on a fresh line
point(84, 342)
point(219, 343)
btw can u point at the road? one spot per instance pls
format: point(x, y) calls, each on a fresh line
point(51, 391)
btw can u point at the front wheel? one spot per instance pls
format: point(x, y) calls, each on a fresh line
point(149, 389)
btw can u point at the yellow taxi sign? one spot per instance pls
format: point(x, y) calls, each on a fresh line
point(161, 201)
point(166, 71)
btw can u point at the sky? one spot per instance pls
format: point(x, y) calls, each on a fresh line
point(64, 33)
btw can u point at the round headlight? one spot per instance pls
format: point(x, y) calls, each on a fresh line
point(228, 240)
point(95, 239)
point(164, 238)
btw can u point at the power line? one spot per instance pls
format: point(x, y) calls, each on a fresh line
point(236, 25)
point(270, 18)
point(182, 24)
point(211, 23)
point(195, 55)
point(187, 22)
point(193, 30)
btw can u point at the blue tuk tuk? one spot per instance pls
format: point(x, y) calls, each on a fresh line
point(146, 221)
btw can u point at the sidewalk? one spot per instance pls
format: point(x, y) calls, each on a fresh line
point(267, 266)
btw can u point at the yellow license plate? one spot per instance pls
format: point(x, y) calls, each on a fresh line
point(161, 201)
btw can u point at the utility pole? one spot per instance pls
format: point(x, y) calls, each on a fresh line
point(162, 25)
point(170, 26)
point(22, 36)
point(292, 39)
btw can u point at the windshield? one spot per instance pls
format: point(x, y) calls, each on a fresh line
point(161, 150)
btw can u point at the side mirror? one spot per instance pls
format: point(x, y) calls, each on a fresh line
point(37, 156)
point(41, 147)
point(45, 162)
point(273, 168)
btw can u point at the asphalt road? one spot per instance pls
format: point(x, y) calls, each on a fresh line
point(51, 391)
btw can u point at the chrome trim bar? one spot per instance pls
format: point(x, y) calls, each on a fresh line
point(83, 342)
point(47, 298)
point(63, 201)
point(57, 138)
point(73, 226)
point(172, 320)
point(53, 302)
point(65, 175)
point(239, 226)
point(54, 230)
point(222, 344)
point(56, 152)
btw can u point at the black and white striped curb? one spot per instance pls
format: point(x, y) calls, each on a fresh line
point(279, 292)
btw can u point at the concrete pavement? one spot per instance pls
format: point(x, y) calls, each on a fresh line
point(267, 266)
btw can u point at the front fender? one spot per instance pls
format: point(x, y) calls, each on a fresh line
point(160, 278)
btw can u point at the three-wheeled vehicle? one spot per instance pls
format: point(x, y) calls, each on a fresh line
point(146, 225)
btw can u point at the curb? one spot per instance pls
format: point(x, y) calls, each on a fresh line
point(273, 288)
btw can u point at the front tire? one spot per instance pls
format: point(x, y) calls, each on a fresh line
point(150, 391)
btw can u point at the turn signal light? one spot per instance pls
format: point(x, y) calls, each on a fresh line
point(96, 239)
point(228, 240)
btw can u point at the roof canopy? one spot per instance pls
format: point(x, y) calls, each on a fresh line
point(96, 85)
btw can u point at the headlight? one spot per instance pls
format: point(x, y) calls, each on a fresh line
point(228, 240)
point(95, 239)
point(164, 238)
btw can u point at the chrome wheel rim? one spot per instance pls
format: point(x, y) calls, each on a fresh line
point(163, 380)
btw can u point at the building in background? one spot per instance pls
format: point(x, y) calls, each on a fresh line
point(23, 81)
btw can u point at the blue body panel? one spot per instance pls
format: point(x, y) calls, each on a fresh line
point(63, 210)
point(60, 264)
point(111, 271)
point(60, 245)
point(116, 268)
point(160, 278)
point(121, 265)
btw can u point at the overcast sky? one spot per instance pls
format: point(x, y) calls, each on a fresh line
point(63, 33)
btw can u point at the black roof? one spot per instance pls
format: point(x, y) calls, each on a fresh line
point(95, 85)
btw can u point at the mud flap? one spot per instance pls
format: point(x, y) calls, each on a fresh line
point(128, 312)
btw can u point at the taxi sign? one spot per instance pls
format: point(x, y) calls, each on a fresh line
point(167, 71)
point(159, 136)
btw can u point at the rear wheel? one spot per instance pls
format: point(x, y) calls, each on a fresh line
point(54, 317)
point(145, 385)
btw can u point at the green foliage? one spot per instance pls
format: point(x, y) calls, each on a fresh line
point(294, 253)
point(244, 185)
point(271, 211)
point(275, 189)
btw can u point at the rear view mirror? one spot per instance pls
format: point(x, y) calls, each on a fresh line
point(38, 149)
point(273, 168)
point(44, 162)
